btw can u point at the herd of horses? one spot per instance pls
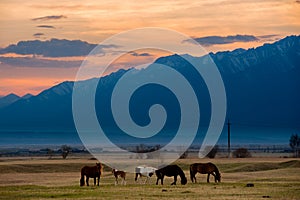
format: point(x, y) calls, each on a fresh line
point(170, 171)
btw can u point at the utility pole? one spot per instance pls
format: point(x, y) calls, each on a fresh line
point(228, 131)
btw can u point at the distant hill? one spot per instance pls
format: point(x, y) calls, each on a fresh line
point(262, 86)
point(9, 99)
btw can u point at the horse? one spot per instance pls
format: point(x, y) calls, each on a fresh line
point(144, 171)
point(121, 174)
point(91, 172)
point(170, 170)
point(204, 168)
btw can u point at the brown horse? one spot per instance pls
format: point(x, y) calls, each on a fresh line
point(91, 172)
point(205, 168)
point(170, 170)
point(121, 174)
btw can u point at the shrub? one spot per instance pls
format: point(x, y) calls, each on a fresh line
point(213, 152)
point(241, 153)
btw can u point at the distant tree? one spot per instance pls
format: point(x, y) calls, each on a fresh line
point(295, 144)
point(65, 150)
point(241, 153)
point(212, 153)
point(50, 152)
point(184, 155)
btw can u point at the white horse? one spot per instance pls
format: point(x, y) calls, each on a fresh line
point(144, 171)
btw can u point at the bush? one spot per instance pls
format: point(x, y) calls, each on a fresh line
point(241, 153)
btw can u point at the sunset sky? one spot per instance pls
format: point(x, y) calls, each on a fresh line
point(94, 21)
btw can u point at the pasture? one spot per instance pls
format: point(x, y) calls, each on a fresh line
point(41, 178)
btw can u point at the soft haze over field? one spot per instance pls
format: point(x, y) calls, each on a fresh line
point(231, 23)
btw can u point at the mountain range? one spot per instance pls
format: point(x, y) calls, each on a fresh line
point(11, 98)
point(262, 88)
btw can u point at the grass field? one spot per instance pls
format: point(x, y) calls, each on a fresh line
point(40, 178)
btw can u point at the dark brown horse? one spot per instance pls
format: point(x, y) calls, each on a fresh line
point(118, 174)
point(91, 172)
point(170, 170)
point(204, 168)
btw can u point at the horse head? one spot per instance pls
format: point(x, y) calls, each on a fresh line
point(218, 177)
point(183, 180)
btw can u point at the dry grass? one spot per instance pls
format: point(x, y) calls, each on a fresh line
point(40, 178)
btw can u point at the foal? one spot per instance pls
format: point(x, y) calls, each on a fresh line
point(118, 174)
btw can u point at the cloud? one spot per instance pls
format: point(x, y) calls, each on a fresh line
point(269, 38)
point(213, 40)
point(38, 35)
point(140, 54)
point(45, 26)
point(50, 17)
point(55, 48)
point(35, 62)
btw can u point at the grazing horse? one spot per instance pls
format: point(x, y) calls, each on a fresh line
point(121, 174)
point(91, 172)
point(170, 170)
point(144, 171)
point(204, 168)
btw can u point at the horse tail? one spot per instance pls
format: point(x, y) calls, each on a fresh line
point(101, 169)
point(192, 173)
point(82, 177)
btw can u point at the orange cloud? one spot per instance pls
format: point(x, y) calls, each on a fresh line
point(23, 86)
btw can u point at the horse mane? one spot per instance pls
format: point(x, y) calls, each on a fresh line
point(181, 173)
point(217, 172)
point(182, 176)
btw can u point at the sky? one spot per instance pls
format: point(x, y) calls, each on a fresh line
point(217, 25)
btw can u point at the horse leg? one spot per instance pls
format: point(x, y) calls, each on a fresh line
point(87, 181)
point(162, 180)
point(208, 177)
point(175, 180)
point(94, 180)
point(157, 181)
point(146, 180)
point(98, 181)
point(214, 176)
point(193, 177)
point(136, 176)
